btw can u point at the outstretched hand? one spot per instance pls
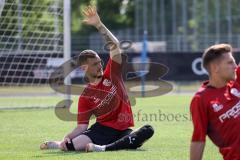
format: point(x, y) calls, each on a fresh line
point(91, 16)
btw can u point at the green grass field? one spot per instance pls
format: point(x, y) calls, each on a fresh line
point(21, 132)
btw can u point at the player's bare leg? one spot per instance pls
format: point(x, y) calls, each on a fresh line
point(80, 142)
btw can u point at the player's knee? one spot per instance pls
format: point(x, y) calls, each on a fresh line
point(149, 131)
point(142, 135)
point(70, 146)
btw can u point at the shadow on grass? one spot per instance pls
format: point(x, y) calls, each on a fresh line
point(52, 153)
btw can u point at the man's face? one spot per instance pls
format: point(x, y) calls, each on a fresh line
point(94, 67)
point(226, 67)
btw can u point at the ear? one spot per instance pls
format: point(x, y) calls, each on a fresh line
point(214, 67)
point(217, 68)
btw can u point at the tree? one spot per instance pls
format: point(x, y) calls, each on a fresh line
point(114, 13)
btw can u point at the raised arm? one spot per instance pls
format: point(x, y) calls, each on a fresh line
point(92, 18)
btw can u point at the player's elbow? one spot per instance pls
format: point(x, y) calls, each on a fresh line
point(116, 41)
point(112, 45)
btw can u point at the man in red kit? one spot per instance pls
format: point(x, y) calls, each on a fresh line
point(215, 108)
point(105, 97)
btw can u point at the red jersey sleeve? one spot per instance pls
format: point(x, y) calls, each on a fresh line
point(199, 119)
point(84, 111)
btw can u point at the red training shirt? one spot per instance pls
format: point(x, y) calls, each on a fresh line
point(107, 100)
point(216, 113)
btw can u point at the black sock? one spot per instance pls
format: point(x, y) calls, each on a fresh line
point(133, 140)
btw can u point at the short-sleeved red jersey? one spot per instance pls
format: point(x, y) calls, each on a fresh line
point(216, 113)
point(107, 100)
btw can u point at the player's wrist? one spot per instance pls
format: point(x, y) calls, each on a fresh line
point(99, 24)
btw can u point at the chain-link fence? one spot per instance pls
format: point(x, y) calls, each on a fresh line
point(182, 25)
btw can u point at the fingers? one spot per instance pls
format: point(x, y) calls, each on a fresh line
point(94, 9)
point(89, 11)
point(63, 146)
point(85, 13)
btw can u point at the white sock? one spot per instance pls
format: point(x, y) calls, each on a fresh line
point(99, 148)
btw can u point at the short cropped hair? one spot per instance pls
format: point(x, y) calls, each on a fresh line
point(214, 52)
point(84, 55)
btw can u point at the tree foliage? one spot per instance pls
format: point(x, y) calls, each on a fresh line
point(113, 13)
